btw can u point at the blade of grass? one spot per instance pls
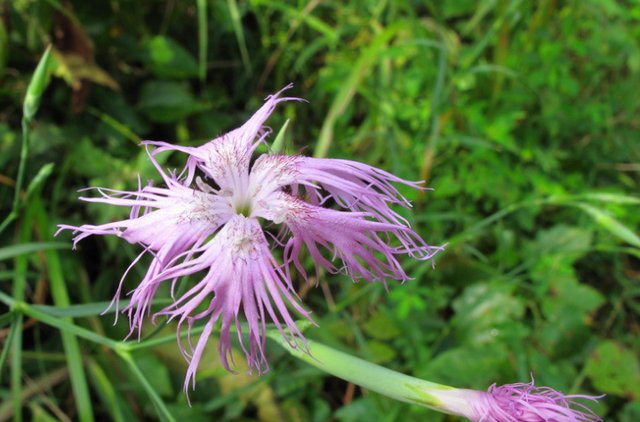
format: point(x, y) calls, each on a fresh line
point(116, 125)
point(6, 319)
point(162, 409)
point(47, 381)
point(69, 341)
point(27, 248)
point(8, 342)
point(91, 309)
point(19, 288)
point(278, 143)
point(434, 120)
point(203, 40)
point(293, 14)
point(610, 224)
point(29, 310)
point(613, 198)
point(472, 54)
point(106, 391)
point(38, 180)
point(348, 88)
point(237, 28)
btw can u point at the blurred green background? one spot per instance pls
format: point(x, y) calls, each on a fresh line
point(523, 116)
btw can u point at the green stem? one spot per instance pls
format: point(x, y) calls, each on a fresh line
point(16, 369)
point(377, 378)
point(36, 87)
point(19, 288)
point(69, 341)
point(22, 308)
point(202, 40)
point(153, 395)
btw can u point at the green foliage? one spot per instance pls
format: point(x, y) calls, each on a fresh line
point(521, 115)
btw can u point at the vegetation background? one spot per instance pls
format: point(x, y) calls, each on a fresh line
point(524, 117)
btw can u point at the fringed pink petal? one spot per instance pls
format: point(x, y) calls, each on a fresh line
point(243, 277)
point(522, 402)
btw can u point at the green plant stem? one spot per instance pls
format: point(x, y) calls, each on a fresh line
point(237, 28)
point(69, 341)
point(19, 287)
point(153, 395)
point(38, 312)
point(203, 40)
point(36, 87)
point(16, 368)
point(375, 377)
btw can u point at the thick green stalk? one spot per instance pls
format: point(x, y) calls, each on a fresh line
point(377, 378)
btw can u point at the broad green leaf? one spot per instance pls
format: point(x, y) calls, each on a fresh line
point(167, 102)
point(631, 412)
point(614, 369)
point(381, 327)
point(468, 366)
point(156, 371)
point(485, 313)
point(380, 352)
point(168, 59)
point(563, 240)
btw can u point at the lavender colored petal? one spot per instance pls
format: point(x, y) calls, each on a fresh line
point(226, 158)
point(243, 278)
point(355, 238)
point(353, 186)
point(522, 402)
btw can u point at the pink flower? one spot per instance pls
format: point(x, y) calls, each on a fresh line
point(208, 220)
point(517, 403)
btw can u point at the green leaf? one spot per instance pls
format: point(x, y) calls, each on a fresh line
point(157, 373)
point(9, 252)
point(484, 312)
point(38, 414)
point(106, 390)
point(468, 366)
point(159, 404)
point(612, 225)
point(380, 352)
point(631, 412)
point(167, 102)
point(613, 198)
point(168, 59)
point(74, 68)
point(39, 179)
point(381, 327)
point(562, 240)
point(238, 29)
point(38, 84)
point(614, 369)
point(278, 145)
